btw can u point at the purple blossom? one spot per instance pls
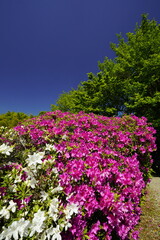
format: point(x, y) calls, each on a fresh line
point(101, 162)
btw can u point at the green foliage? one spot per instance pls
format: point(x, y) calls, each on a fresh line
point(139, 58)
point(130, 83)
point(41, 113)
point(66, 102)
point(11, 119)
point(100, 94)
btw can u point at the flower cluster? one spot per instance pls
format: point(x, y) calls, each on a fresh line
point(32, 202)
point(5, 149)
point(75, 176)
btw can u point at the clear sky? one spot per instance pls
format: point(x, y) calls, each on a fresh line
point(49, 46)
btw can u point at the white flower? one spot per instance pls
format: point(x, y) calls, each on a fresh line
point(53, 209)
point(37, 222)
point(34, 159)
point(51, 160)
point(29, 173)
point(12, 206)
point(15, 229)
point(70, 210)
point(54, 170)
point(44, 195)
point(17, 179)
point(23, 227)
point(5, 149)
point(54, 233)
point(64, 137)
point(65, 225)
point(30, 181)
point(4, 212)
point(51, 233)
point(57, 189)
point(22, 141)
point(50, 147)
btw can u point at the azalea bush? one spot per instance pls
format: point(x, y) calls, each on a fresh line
point(74, 176)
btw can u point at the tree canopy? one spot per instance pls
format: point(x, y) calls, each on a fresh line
point(129, 83)
point(11, 119)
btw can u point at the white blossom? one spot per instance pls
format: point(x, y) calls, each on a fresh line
point(30, 181)
point(5, 149)
point(54, 170)
point(65, 225)
point(64, 137)
point(50, 147)
point(17, 179)
point(54, 233)
point(53, 209)
point(12, 206)
point(15, 229)
point(34, 159)
point(51, 160)
point(44, 195)
point(70, 210)
point(4, 212)
point(37, 222)
point(56, 189)
point(51, 233)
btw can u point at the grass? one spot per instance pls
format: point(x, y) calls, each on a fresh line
point(149, 225)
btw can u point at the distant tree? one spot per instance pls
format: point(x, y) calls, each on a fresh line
point(11, 119)
point(100, 94)
point(130, 83)
point(67, 102)
point(41, 113)
point(139, 58)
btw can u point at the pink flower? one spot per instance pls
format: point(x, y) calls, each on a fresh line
point(101, 162)
point(3, 191)
point(135, 235)
point(27, 200)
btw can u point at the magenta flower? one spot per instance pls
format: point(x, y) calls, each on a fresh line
point(103, 166)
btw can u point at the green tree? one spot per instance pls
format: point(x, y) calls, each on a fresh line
point(11, 119)
point(66, 102)
point(139, 58)
point(100, 94)
point(130, 83)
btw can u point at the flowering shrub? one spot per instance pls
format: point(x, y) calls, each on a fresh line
point(74, 176)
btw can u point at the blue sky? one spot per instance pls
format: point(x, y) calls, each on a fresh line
point(49, 46)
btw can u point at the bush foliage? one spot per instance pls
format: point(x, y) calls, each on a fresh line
point(74, 176)
point(11, 119)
